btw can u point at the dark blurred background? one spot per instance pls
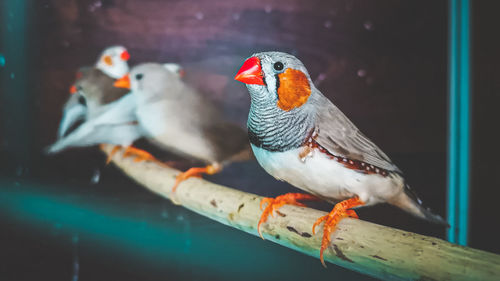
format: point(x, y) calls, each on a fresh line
point(383, 63)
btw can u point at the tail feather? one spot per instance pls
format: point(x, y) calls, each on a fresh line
point(57, 147)
point(78, 138)
point(409, 201)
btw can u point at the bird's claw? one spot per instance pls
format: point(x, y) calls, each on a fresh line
point(140, 155)
point(273, 204)
point(340, 211)
point(112, 153)
point(195, 172)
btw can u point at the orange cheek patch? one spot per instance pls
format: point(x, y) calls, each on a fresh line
point(108, 60)
point(294, 89)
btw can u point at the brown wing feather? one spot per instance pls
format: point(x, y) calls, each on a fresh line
point(337, 134)
point(229, 141)
point(99, 86)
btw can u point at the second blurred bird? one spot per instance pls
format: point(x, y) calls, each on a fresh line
point(107, 112)
point(111, 64)
point(177, 118)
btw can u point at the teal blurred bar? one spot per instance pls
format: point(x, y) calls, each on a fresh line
point(158, 241)
point(16, 111)
point(459, 121)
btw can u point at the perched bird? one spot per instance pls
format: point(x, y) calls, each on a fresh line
point(112, 63)
point(74, 110)
point(177, 118)
point(93, 94)
point(117, 125)
point(301, 137)
point(111, 115)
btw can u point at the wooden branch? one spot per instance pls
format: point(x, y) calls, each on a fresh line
point(379, 251)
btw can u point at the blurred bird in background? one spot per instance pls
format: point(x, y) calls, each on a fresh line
point(299, 136)
point(110, 112)
point(177, 118)
point(111, 64)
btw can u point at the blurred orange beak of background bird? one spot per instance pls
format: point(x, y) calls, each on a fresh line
point(123, 82)
point(251, 72)
point(73, 89)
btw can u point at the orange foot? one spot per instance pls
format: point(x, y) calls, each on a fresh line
point(112, 153)
point(140, 155)
point(274, 204)
point(196, 172)
point(340, 211)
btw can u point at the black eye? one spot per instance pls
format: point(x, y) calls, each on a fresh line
point(278, 66)
point(139, 76)
point(82, 101)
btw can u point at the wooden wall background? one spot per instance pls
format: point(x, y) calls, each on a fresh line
point(384, 63)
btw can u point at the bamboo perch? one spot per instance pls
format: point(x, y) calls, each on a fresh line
point(375, 250)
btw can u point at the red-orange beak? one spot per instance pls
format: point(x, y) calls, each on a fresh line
point(125, 56)
point(73, 89)
point(123, 82)
point(182, 73)
point(251, 72)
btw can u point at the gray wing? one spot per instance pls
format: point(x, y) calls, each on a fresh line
point(73, 112)
point(228, 140)
point(339, 136)
point(117, 125)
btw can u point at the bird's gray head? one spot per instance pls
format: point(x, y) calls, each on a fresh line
point(152, 81)
point(280, 87)
point(276, 77)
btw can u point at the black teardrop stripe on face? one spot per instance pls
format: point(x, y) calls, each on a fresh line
point(277, 84)
point(82, 101)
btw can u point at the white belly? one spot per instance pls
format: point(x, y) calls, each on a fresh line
point(153, 119)
point(178, 134)
point(123, 135)
point(322, 176)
